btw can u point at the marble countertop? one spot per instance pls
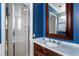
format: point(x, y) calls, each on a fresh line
point(65, 49)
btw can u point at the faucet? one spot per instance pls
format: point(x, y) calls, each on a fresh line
point(49, 40)
point(55, 41)
point(58, 42)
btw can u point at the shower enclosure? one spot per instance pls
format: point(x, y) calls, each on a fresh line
point(18, 25)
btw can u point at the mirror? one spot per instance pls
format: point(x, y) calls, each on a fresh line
point(59, 20)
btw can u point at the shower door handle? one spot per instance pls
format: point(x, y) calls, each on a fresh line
point(14, 43)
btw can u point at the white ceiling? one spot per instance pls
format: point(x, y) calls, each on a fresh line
point(57, 7)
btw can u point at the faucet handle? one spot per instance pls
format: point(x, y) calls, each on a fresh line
point(54, 41)
point(59, 41)
point(49, 40)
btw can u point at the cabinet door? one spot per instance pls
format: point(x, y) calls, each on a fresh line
point(52, 53)
point(39, 50)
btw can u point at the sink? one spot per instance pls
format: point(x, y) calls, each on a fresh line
point(50, 44)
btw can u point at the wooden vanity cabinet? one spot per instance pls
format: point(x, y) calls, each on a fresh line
point(41, 51)
point(52, 53)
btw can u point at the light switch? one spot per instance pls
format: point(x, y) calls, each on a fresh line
point(33, 35)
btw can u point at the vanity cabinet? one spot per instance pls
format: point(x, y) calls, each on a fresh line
point(52, 53)
point(39, 50)
point(42, 51)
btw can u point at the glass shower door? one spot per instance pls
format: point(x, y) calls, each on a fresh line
point(21, 29)
point(20, 25)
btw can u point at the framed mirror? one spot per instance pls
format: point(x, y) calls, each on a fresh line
point(59, 20)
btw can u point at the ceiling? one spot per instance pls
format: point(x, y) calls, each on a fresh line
point(59, 7)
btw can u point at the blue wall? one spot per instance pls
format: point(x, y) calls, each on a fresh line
point(44, 20)
point(76, 22)
point(38, 19)
point(0, 23)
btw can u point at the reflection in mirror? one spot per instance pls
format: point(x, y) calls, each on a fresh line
point(57, 18)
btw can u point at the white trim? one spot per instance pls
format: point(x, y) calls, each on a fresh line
point(31, 30)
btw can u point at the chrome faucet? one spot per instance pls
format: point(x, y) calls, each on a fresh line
point(55, 41)
point(58, 42)
point(49, 40)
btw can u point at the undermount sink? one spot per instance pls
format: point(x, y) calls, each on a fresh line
point(50, 44)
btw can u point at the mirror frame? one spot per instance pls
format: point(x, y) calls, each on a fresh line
point(69, 23)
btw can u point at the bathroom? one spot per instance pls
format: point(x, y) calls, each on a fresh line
point(43, 37)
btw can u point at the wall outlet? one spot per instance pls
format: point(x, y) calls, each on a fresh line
point(33, 35)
